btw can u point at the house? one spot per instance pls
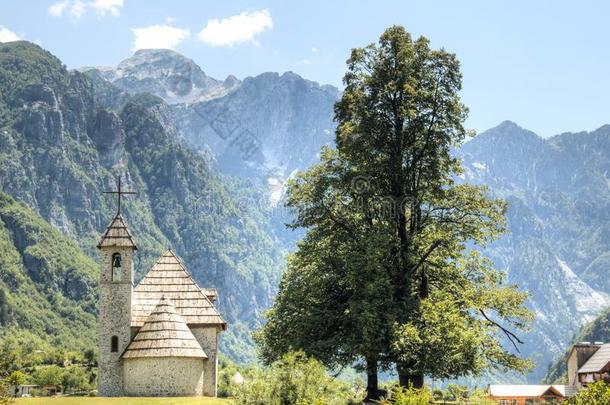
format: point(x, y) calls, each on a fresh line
point(588, 362)
point(527, 394)
point(22, 390)
point(159, 338)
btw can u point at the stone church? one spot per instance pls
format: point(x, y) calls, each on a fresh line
point(159, 338)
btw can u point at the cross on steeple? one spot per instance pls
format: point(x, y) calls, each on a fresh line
point(119, 193)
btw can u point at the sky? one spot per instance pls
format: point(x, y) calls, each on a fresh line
point(543, 64)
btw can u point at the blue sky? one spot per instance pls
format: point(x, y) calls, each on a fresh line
point(542, 64)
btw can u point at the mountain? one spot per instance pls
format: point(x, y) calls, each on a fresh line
point(166, 74)
point(558, 238)
point(264, 128)
point(61, 148)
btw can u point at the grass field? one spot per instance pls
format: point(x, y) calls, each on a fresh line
point(121, 401)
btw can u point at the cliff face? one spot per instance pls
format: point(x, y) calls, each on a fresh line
point(61, 148)
point(263, 129)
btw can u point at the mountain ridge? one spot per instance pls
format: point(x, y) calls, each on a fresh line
point(61, 149)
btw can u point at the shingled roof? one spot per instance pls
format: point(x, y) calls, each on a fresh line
point(169, 278)
point(117, 234)
point(599, 362)
point(164, 334)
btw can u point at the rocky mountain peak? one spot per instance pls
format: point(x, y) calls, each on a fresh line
point(169, 75)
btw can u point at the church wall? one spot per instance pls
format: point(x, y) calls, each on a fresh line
point(165, 376)
point(207, 336)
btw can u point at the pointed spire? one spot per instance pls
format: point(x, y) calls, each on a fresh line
point(117, 235)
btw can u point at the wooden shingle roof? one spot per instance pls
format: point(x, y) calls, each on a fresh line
point(599, 362)
point(169, 278)
point(164, 334)
point(117, 234)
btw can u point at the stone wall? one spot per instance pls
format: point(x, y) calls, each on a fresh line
point(114, 320)
point(207, 336)
point(164, 376)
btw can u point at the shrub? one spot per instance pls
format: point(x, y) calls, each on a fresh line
point(408, 396)
point(596, 394)
point(293, 380)
point(5, 396)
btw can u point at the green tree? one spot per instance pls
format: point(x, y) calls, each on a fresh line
point(74, 379)
point(16, 379)
point(388, 270)
point(48, 375)
point(329, 302)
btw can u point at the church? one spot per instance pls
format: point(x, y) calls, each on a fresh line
point(159, 338)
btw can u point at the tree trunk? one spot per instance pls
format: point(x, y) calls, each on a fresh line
point(373, 393)
point(409, 380)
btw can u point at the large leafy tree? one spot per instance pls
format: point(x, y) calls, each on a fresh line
point(392, 236)
point(333, 300)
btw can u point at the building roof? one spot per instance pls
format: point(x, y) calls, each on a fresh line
point(598, 362)
point(169, 278)
point(164, 334)
point(117, 235)
point(526, 390)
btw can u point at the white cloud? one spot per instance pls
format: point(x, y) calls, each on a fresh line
point(158, 36)
point(57, 9)
point(236, 29)
point(7, 35)
point(108, 6)
point(76, 8)
point(314, 49)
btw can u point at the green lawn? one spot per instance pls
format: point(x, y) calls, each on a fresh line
point(121, 401)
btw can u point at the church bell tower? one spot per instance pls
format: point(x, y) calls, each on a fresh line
point(117, 250)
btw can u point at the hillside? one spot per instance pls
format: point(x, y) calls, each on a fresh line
point(48, 286)
point(60, 149)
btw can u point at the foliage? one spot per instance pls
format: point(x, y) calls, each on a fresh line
point(5, 396)
point(293, 380)
point(63, 400)
point(227, 385)
point(408, 396)
point(595, 394)
point(17, 378)
point(47, 375)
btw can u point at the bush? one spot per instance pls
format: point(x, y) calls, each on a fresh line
point(596, 394)
point(5, 396)
point(408, 396)
point(293, 380)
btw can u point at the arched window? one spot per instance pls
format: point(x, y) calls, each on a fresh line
point(116, 267)
point(114, 344)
